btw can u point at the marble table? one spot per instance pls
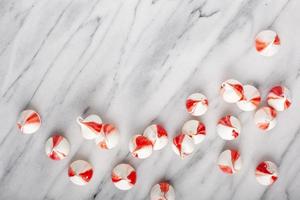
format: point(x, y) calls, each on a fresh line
point(134, 62)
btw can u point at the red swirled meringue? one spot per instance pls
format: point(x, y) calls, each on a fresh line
point(158, 135)
point(232, 91)
point(57, 147)
point(80, 172)
point(108, 138)
point(194, 129)
point(140, 147)
point(196, 104)
point(230, 161)
point(267, 43)
point(124, 176)
point(266, 173)
point(183, 145)
point(162, 191)
point(229, 127)
point(29, 121)
point(90, 126)
point(265, 118)
point(279, 98)
point(250, 100)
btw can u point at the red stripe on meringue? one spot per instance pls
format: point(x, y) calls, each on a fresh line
point(263, 125)
point(235, 134)
point(277, 90)
point(178, 141)
point(56, 139)
point(238, 88)
point(71, 172)
point(234, 156)
point(55, 155)
point(260, 45)
point(108, 128)
point(226, 169)
point(102, 145)
point(190, 104)
point(277, 40)
point(273, 112)
point(33, 118)
point(161, 131)
point(141, 142)
point(164, 187)
point(287, 104)
point(201, 129)
point(263, 167)
point(93, 125)
point(256, 100)
point(132, 177)
point(274, 178)
point(87, 175)
point(226, 121)
point(115, 178)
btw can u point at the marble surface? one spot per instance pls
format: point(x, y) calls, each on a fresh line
point(134, 62)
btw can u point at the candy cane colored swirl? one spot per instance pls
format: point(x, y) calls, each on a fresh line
point(266, 173)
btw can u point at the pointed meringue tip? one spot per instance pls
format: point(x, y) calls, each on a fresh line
point(79, 120)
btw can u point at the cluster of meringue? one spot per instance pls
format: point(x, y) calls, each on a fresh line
point(124, 177)
point(248, 98)
point(230, 162)
point(106, 136)
point(154, 137)
point(57, 147)
point(193, 131)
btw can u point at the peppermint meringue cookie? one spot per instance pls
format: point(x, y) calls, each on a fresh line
point(158, 135)
point(196, 104)
point(232, 91)
point(279, 98)
point(162, 191)
point(251, 98)
point(229, 127)
point(80, 172)
point(90, 126)
point(140, 147)
point(265, 118)
point(57, 147)
point(29, 122)
point(108, 137)
point(267, 43)
point(124, 176)
point(195, 129)
point(230, 161)
point(183, 145)
point(266, 173)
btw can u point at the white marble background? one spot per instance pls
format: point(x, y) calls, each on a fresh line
point(134, 62)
